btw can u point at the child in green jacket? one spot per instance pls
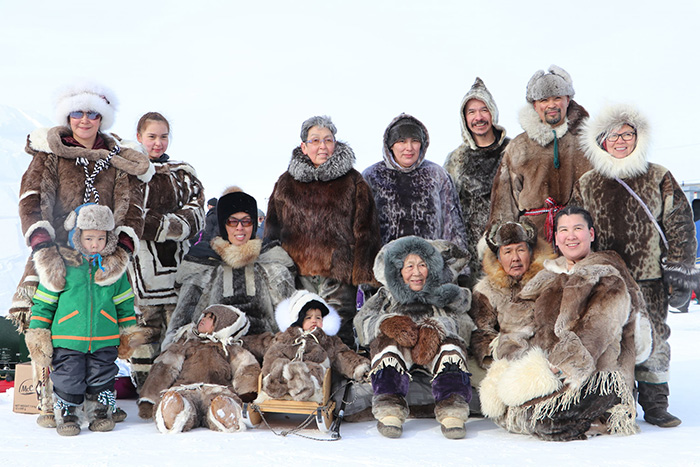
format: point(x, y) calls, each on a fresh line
point(76, 322)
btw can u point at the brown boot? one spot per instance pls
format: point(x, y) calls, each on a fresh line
point(391, 411)
point(175, 413)
point(452, 414)
point(98, 408)
point(225, 415)
point(66, 416)
point(654, 400)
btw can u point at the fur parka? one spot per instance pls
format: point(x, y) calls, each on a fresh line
point(473, 169)
point(420, 200)
point(493, 293)
point(582, 323)
point(445, 305)
point(248, 277)
point(621, 222)
point(193, 358)
point(325, 217)
point(174, 200)
point(526, 177)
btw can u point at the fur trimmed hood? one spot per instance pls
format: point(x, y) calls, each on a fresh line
point(480, 92)
point(495, 273)
point(288, 312)
point(234, 255)
point(389, 160)
point(340, 163)
point(541, 132)
point(435, 291)
point(609, 120)
point(231, 323)
point(129, 159)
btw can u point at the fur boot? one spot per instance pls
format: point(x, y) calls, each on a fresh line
point(225, 414)
point(391, 411)
point(98, 408)
point(452, 414)
point(654, 400)
point(66, 416)
point(175, 413)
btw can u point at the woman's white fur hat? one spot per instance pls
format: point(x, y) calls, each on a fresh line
point(86, 95)
point(288, 311)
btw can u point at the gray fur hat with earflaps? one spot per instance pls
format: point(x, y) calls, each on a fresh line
point(90, 216)
point(556, 82)
point(508, 233)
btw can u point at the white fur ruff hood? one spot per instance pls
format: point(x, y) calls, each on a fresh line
point(287, 312)
point(610, 120)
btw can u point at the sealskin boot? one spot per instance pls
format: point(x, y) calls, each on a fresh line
point(65, 414)
point(654, 400)
point(99, 411)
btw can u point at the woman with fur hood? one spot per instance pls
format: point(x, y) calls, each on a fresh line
point(323, 213)
point(641, 213)
point(414, 196)
point(564, 359)
point(72, 164)
point(197, 381)
point(295, 360)
point(417, 321)
point(243, 273)
point(174, 202)
point(514, 256)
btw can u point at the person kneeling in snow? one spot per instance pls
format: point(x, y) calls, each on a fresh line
point(197, 381)
point(298, 356)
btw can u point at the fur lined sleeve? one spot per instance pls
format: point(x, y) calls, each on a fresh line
point(370, 316)
point(366, 233)
point(679, 228)
point(258, 344)
point(164, 372)
point(37, 191)
point(505, 191)
point(272, 220)
point(344, 360)
point(453, 223)
point(485, 318)
point(129, 208)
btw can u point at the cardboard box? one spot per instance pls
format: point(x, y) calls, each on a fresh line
point(26, 400)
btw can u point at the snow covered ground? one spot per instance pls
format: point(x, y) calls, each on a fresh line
point(137, 442)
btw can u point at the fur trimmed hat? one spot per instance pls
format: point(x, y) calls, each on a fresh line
point(233, 201)
point(405, 128)
point(291, 312)
point(229, 322)
point(90, 216)
point(557, 82)
point(508, 233)
point(86, 96)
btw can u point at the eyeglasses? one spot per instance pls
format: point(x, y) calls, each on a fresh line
point(245, 222)
point(317, 141)
point(626, 136)
point(78, 114)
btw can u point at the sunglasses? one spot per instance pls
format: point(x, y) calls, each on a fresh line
point(245, 222)
point(78, 114)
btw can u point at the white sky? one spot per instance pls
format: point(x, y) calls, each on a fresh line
point(236, 79)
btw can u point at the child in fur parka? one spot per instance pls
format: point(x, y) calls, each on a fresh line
point(416, 322)
point(76, 330)
point(202, 377)
point(298, 356)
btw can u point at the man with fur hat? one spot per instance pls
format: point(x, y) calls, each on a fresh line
point(473, 164)
point(413, 195)
point(295, 360)
point(540, 166)
point(239, 271)
point(417, 322)
point(76, 330)
point(197, 381)
point(641, 213)
point(515, 255)
point(72, 164)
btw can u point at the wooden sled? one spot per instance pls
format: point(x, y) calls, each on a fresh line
point(323, 412)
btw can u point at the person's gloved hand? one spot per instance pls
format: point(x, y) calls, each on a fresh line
point(429, 339)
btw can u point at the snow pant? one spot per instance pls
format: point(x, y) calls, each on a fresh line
point(341, 296)
point(76, 373)
point(153, 322)
point(656, 368)
point(390, 378)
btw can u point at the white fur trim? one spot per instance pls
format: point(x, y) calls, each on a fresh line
point(148, 175)
point(491, 404)
point(28, 193)
point(642, 339)
point(287, 312)
point(132, 235)
point(220, 427)
point(180, 419)
point(527, 378)
point(39, 140)
point(86, 95)
point(538, 131)
point(40, 225)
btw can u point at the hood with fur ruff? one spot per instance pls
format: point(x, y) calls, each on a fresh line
point(288, 312)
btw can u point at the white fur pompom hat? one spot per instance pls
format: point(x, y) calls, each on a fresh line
point(290, 312)
point(86, 96)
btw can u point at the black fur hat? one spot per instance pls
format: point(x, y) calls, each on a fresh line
point(232, 202)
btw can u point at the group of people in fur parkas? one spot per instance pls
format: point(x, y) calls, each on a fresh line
point(527, 281)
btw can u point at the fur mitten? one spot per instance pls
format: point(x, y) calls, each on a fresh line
point(130, 337)
point(429, 338)
point(361, 372)
point(400, 328)
point(113, 268)
point(50, 267)
point(39, 345)
point(679, 297)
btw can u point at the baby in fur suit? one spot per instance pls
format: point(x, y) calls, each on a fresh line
point(202, 377)
point(295, 359)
